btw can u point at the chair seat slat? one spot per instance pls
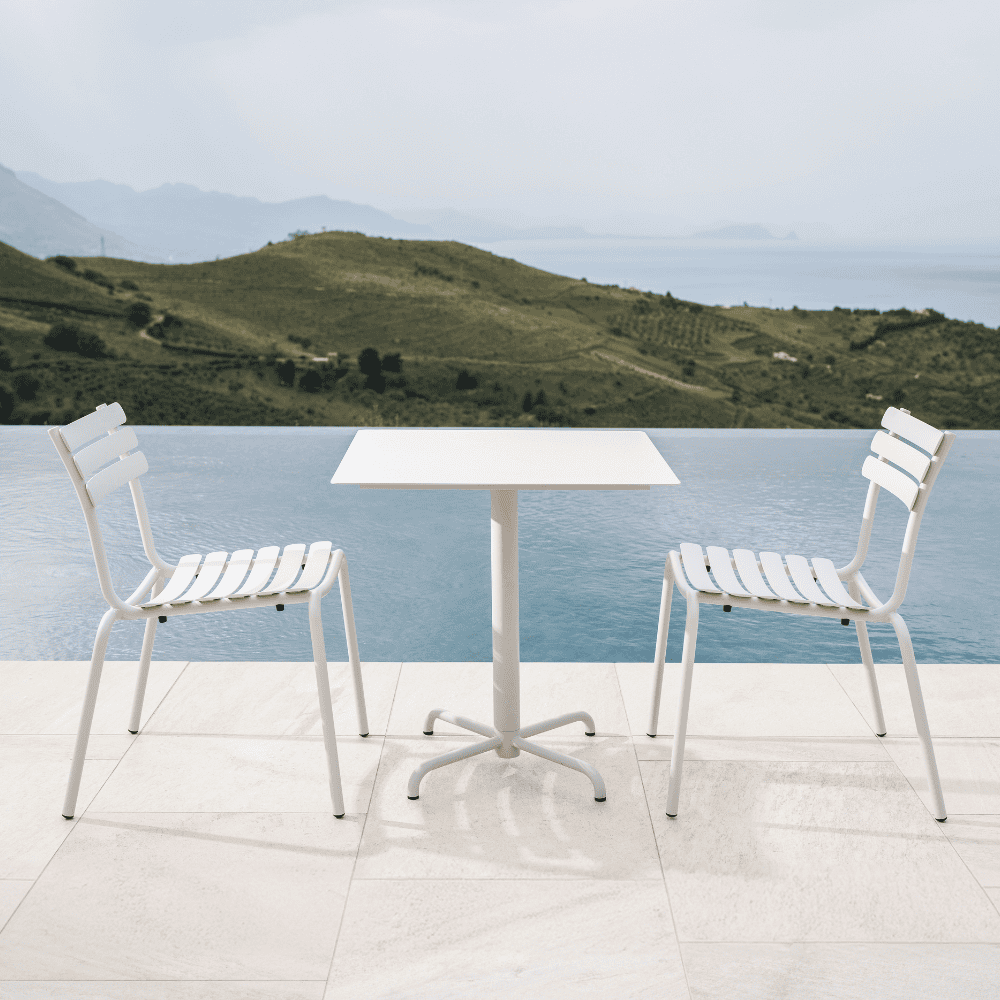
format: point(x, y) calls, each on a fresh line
point(263, 565)
point(746, 563)
point(916, 463)
point(826, 573)
point(178, 583)
point(211, 570)
point(288, 570)
point(105, 450)
point(693, 561)
point(121, 472)
point(722, 569)
point(239, 563)
point(801, 572)
point(774, 570)
point(891, 479)
point(315, 568)
point(922, 435)
point(92, 425)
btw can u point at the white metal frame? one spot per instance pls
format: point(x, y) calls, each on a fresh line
point(196, 584)
point(795, 587)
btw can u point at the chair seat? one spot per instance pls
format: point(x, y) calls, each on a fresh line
point(769, 576)
point(220, 575)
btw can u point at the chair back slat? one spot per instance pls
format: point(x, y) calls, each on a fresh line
point(105, 450)
point(121, 472)
point(891, 479)
point(906, 426)
point(916, 463)
point(105, 419)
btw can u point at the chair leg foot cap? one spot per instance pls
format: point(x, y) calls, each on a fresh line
point(64, 816)
point(428, 732)
point(672, 815)
point(363, 734)
point(652, 736)
point(880, 735)
point(590, 734)
point(413, 798)
point(596, 799)
point(943, 819)
point(338, 815)
point(133, 731)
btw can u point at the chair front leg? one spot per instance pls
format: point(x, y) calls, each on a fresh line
point(869, 663)
point(325, 705)
point(666, 593)
point(353, 654)
point(920, 715)
point(140, 682)
point(87, 712)
point(680, 729)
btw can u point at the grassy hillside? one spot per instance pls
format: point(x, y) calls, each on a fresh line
point(457, 336)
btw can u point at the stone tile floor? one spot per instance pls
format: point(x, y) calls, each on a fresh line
point(204, 861)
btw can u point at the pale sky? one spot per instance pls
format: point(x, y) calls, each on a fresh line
point(857, 114)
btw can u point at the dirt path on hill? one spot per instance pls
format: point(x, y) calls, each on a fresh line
point(646, 371)
point(146, 336)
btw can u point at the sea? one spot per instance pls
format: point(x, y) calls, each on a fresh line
point(591, 563)
point(962, 284)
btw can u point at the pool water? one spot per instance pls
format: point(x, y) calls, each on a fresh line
point(591, 563)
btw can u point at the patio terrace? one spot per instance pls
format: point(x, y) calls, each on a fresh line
point(205, 863)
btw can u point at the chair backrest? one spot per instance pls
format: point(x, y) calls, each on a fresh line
point(97, 468)
point(906, 462)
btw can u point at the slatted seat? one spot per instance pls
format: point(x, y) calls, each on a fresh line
point(195, 584)
point(908, 455)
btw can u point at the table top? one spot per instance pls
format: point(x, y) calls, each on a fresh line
point(503, 458)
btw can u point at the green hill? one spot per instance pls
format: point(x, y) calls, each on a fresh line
point(455, 336)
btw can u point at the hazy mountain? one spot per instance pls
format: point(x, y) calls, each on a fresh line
point(449, 224)
point(42, 226)
point(193, 225)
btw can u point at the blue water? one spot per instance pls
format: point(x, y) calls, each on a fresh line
point(590, 562)
point(963, 286)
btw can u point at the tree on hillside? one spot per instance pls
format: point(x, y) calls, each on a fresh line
point(311, 381)
point(64, 262)
point(69, 337)
point(392, 363)
point(139, 314)
point(286, 373)
point(466, 380)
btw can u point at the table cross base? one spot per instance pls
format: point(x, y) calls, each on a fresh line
point(507, 745)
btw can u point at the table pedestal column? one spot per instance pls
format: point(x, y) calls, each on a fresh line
point(506, 645)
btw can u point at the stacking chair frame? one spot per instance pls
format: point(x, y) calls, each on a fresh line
point(195, 585)
point(791, 586)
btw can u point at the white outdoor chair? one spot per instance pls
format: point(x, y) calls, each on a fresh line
point(197, 584)
point(791, 585)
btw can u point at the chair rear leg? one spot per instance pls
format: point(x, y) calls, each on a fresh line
point(661, 648)
point(680, 729)
point(140, 682)
point(873, 695)
point(353, 655)
point(920, 715)
point(325, 706)
point(87, 713)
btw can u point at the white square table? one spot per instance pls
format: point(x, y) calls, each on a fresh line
point(504, 461)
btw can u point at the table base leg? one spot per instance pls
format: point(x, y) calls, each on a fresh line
point(495, 741)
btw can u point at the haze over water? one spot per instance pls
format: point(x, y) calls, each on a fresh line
point(963, 285)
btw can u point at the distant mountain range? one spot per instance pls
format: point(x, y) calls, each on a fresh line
point(752, 231)
point(43, 226)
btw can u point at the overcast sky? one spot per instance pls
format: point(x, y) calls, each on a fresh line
point(857, 114)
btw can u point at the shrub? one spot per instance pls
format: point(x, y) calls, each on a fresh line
point(64, 262)
point(6, 362)
point(466, 381)
point(139, 314)
point(69, 337)
point(527, 402)
point(6, 404)
point(26, 385)
point(286, 373)
point(369, 363)
point(311, 381)
point(392, 363)
point(129, 286)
